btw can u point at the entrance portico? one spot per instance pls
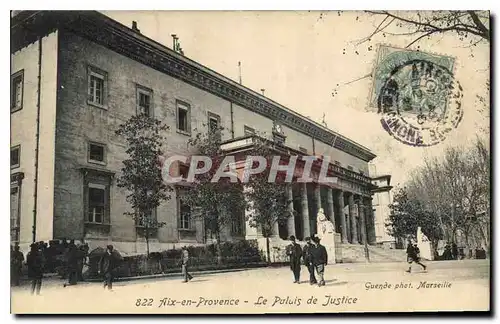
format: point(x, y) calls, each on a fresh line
point(345, 201)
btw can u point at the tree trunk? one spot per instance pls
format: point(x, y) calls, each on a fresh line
point(218, 249)
point(434, 245)
point(466, 234)
point(486, 242)
point(268, 252)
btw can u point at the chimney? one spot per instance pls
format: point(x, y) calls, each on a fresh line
point(134, 27)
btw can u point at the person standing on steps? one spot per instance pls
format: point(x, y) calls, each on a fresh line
point(307, 257)
point(294, 251)
point(413, 255)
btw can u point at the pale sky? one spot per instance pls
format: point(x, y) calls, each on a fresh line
point(298, 59)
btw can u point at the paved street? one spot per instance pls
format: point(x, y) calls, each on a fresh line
point(447, 285)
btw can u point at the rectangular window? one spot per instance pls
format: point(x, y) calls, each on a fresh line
point(303, 149)
point(214, 125)
point(337, 163)
point(249, 131)
point(237, 225)
point(96, 86)
point(96, 200)
point(96, 153)
point(183, 170)
point(142, 221)
point(185, 215)
point(350, 168)
point(361, 172)
point(144, 101)
point(15, 157)
point(17, 88)
point(213, 122)
point(96, 203)
point(183, 117)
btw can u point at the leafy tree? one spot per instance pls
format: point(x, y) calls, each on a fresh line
point(218, 202)
point(141, 172)
point(269, 200)
point(407, 214)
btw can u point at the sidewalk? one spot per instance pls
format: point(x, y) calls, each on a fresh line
point(339, 268)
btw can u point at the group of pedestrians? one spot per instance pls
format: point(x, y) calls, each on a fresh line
point(69, 259)
point(35, 263)
point(314, 256)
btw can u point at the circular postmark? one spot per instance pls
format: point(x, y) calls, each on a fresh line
point(420, 102)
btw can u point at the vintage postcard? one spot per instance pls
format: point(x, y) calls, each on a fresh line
point(249, 162)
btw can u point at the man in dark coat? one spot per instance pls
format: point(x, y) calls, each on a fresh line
point(108, 264)
point(82, 260)
point(294, 251)
point(35, 263)
point(307, 257)
point(413, 255)
point(319, 259)
point(185, 264)
point(72, 265)
point(16, 259)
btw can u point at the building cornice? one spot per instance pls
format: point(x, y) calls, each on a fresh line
point(246, 143)
point(383, 177)
point(382, 189)
point(105, 31)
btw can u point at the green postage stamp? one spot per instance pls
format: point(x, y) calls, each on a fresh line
point(416, 94)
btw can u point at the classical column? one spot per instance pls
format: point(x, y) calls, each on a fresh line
point(291, 219)
point(330, 213)
point(317, 202)
point(343, 225)
point(362, 220)
point(305, 210)
point(352, 217)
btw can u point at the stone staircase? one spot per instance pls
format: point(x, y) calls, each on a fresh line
point(355, 253)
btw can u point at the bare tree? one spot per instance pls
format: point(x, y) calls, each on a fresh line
point(456, 188)
point(471, 26)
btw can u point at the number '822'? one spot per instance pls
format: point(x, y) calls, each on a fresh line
point(144, 302)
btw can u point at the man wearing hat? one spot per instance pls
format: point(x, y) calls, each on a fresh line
point(295, 253)
point(35, 263)
point(319, 259)
point(107, 265)
point(306, 255)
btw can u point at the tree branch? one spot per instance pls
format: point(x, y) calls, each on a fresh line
point(420, 37)
point(480, 25)
point(377, 30)
point(430, 28)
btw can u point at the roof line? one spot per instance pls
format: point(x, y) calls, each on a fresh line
point(229, 80)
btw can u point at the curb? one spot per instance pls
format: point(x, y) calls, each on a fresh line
point(174, 274)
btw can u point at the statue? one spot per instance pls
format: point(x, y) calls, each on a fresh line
point(326, 234)
point(326, 230)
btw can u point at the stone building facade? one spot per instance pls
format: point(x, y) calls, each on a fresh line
point(382, 198)
point(76, 76)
